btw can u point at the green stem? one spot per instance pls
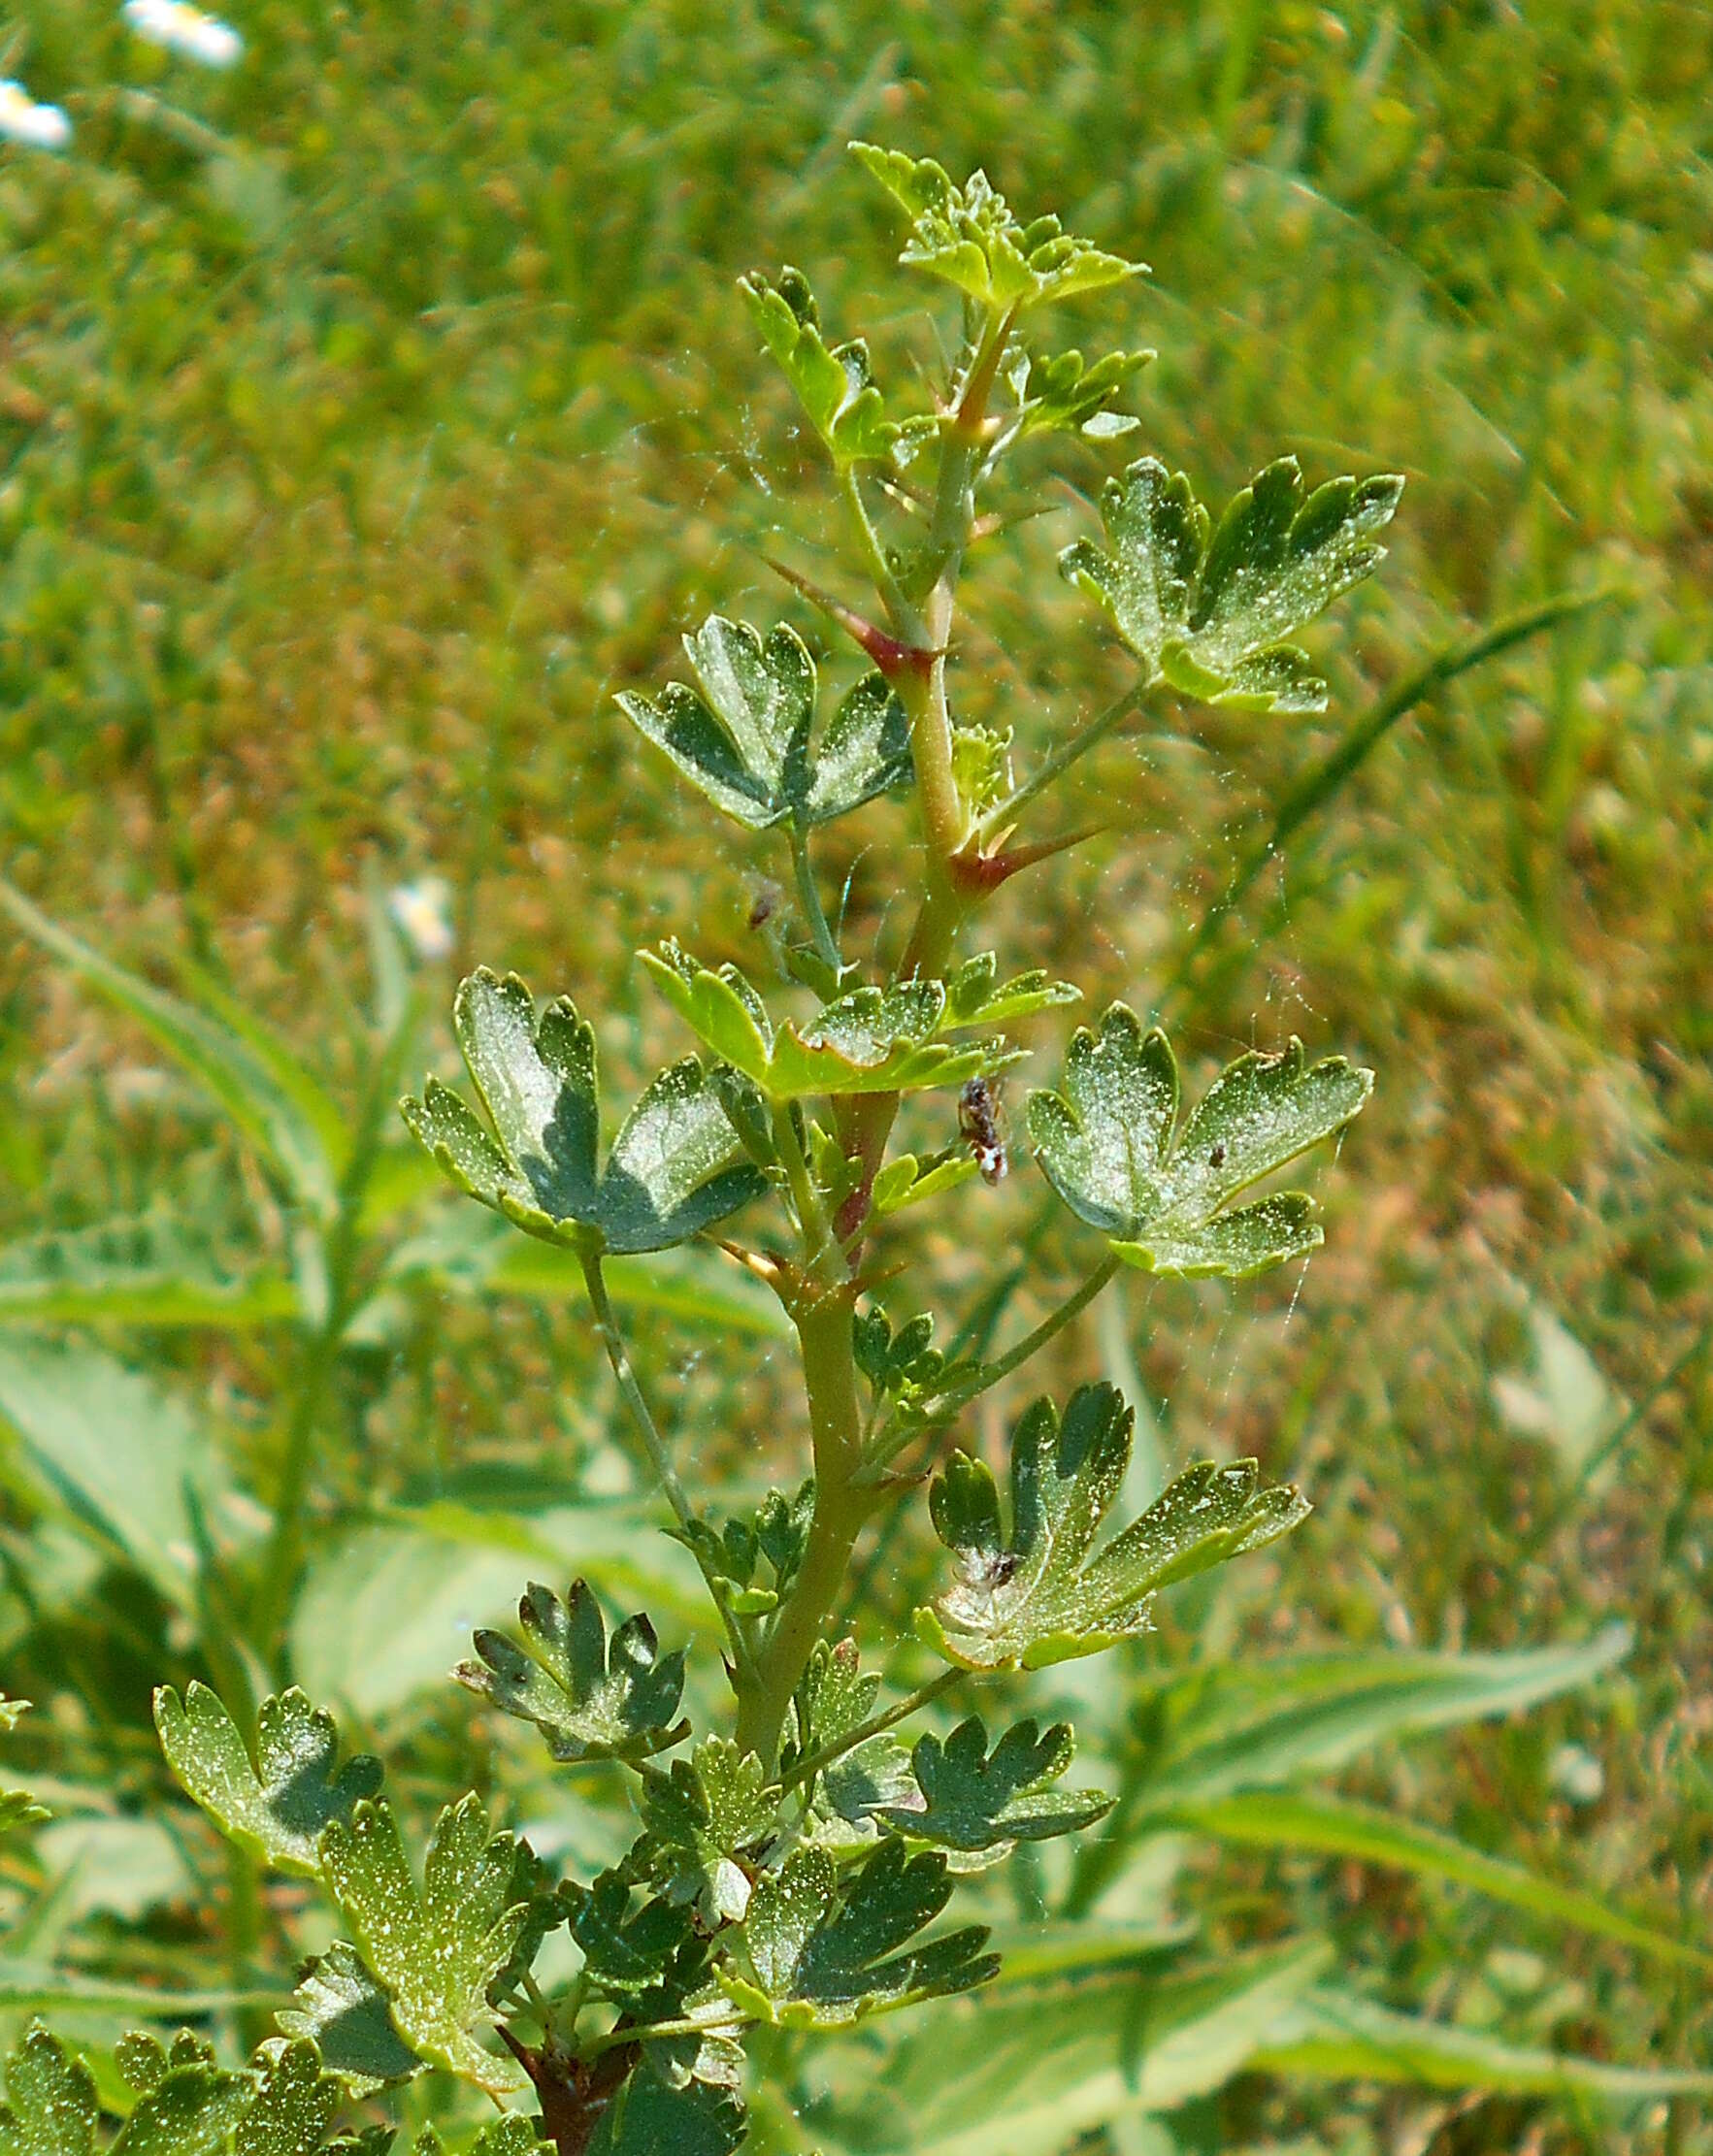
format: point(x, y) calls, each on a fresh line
point(1068, 752)
point(907, 623)
point(810, 899)
point(812, 1224)
point(877, 1725)
point(822, 1318)
point(991, 1373)
point(654, 1444)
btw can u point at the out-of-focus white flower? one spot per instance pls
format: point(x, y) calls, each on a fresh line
point(420, 910)
point(1575, 1772)
point(23, 120)
point(182, 28)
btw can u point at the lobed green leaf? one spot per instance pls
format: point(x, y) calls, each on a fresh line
point(833, 383)
point(275, 1809)
point(1111, 1147)
point(591, 1699)
point(674, 1167)
point(710, 1810)
point(825, 1953)
point(868, 1040)
point(438, 1947)
point(969, 237)
point(1042, 1593)
point(743, 736)
point(970, 1800)
point(1205, 607)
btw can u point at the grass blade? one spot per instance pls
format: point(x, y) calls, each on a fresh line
point(1333, 2036)
point(145, 1270)
point(220, 1061)
point(1280, 1820)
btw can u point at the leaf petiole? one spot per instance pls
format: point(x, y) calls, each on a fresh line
point(654, 1444)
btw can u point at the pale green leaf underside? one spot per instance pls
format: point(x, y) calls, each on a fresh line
point(743, 735)
point(1112, 1147)
point(674, 1167)
point(276, 1808)
point(345, 2013)
point(1205, 608)
point(967, 236)
point(438, 1947)
point(870, 1040)
point(833, 383)
point(1042, 1593)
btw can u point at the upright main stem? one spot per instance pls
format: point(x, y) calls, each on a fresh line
point(823, 1322)
point(825, 1298)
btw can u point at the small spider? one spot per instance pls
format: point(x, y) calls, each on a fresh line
point(765, 904)
point(978, 1125)
point(1216, 1158)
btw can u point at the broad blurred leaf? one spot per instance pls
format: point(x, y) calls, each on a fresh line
point(825, 1953)
point(1036, 1596)
point(119, 1456)
point(345, 2011)
point(869, 1040)
point(833, 384)
point(1336, 2035)
point(436, 1949)
point(246, 1083)
point(742, 738)
point(276, 1808)
point(969, 236)
point(702, 1816)
point(1212, 1731)
point(465, 1250)
point(673, 1168)
point(412, 1590)
point(589, 1699)
point(1271, 1820)
point(1025, 2072)
point(1062, 394)
point(1205, 608)
point(147, 1270)
point(970, 1800)
point(1112, 1149)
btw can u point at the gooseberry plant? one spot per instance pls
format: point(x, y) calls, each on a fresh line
point(795, 1857)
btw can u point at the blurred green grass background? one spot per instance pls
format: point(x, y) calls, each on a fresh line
point(367, 416)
